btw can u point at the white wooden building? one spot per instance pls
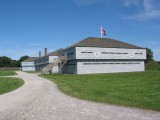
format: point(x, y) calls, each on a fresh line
point(103, 55)
point(28, 64)
point(48, 62)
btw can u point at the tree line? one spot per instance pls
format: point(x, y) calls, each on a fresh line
point(8, 62)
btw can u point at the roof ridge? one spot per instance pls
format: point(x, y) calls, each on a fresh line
point(103, 42)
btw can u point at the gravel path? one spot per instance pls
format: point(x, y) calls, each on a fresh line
point(39, 99)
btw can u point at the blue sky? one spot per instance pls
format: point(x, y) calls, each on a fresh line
point(27, 26)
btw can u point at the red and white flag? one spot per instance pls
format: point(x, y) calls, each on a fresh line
point(103, 32)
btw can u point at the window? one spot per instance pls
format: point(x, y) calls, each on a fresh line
point(87, 63)
point(136, 63)
point(86, 52)
point(96, 63)
point(111, 52)
point(70, 53)
point(118, 53)
point(71, 64)
point(124, 53)
point(104, 52)
point(139, 53)
point(110, 63)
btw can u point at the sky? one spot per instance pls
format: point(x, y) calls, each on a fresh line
point(28, 26)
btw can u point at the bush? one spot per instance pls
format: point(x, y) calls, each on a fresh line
point(152, 65)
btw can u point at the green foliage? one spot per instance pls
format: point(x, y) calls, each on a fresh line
point(5, 61)
point(149, 54)
point(21, 59)
point(8, 84)
point(152, 65)
point(7, 72)
point(139, 89)
point(14, 63)
point(8, 62)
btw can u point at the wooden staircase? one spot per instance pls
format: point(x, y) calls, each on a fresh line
point(61, 61)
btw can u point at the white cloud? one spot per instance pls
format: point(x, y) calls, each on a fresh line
point(86, 2)
point(148, 11)
point(130, 2)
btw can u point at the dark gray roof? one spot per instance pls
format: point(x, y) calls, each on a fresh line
point(103, 43)
point(54, 53)
point(30, 59)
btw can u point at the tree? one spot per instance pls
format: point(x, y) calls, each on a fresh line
point(22, 59)
point(149, 55)
point(14, 63)
point(5, 61)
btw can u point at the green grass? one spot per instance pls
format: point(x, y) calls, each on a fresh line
point(8, 84)
point(7, 72)
point(139, 89)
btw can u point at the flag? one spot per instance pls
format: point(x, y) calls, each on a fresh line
point(103, 31)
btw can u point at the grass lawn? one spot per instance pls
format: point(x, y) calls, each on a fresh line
point(7, 72)
point(139, 89)
point(8, 84)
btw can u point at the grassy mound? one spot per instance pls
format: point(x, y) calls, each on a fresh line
point(139, 89)
point(152, 65)
point(8, 84)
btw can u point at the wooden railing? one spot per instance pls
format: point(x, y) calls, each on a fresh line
point(62, 60)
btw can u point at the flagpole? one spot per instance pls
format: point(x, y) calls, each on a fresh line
point(101, 31)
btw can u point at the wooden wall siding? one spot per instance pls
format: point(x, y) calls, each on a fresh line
point(39, 67)
point(28, 68)
point(52, 59)
point(55, 69)
point(27, 63)
point(70, 67)
point(109, 68)
point(43, 60)
point(109, 53)
point(46, 60)
point(71, 53)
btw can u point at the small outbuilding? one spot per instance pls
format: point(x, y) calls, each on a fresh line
point(28, 64)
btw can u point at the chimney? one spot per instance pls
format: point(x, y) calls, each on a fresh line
point(40, 55)
point(45, 52)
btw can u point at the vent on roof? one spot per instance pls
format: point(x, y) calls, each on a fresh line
point(45, 52)
point(40, 55)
